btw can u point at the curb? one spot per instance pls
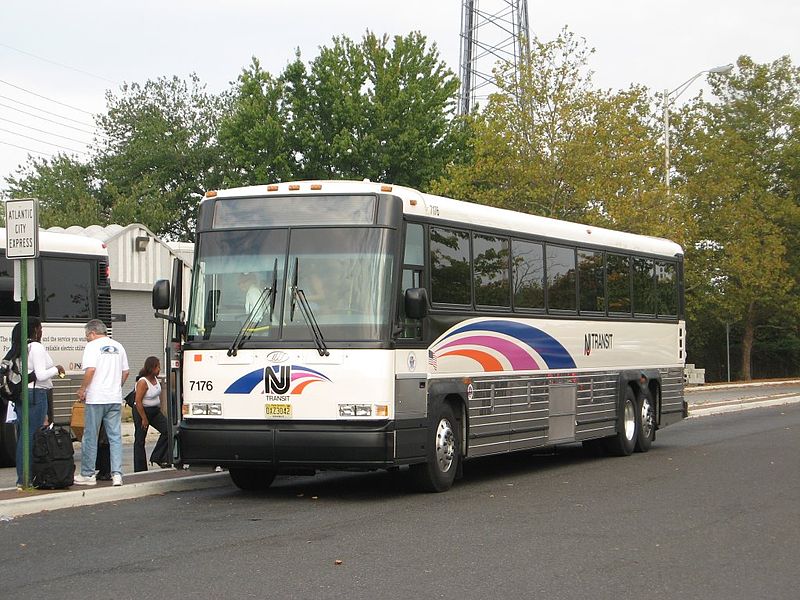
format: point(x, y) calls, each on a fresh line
point(702, 410)
point(17, 507)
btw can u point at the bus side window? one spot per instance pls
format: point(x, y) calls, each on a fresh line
point(413, 261)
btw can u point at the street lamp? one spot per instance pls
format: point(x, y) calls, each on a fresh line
point(669, 100)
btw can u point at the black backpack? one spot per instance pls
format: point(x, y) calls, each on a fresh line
point(53, 466)
point(10, 380)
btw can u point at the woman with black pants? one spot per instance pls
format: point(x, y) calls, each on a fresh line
point(147, 411)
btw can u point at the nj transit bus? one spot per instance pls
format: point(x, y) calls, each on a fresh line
point(354, 325)
point(71, 278)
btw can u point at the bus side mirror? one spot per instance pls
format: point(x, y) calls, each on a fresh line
point(161, 294)
point(416, 303)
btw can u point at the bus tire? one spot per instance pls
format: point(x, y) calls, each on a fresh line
point(251, 479)
point(624, 442)
point(443, 451)
point(647, 422)
point(8, 444)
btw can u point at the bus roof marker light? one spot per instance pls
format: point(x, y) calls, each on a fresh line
point(412, 202)
point(272, 188)
point(316, 186)
point(294, 187)
point(211, 194)
point(386, 188)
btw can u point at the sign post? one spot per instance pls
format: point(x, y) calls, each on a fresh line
point(22, 243)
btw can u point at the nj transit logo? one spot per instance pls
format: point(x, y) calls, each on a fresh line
point(278, 380)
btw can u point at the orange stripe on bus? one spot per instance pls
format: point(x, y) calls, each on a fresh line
point(487, 361)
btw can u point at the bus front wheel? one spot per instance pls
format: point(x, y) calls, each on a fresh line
point(252, 480)
point(628, 426)
point(443, 451)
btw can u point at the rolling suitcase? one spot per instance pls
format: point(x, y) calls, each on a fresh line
point(53, 465)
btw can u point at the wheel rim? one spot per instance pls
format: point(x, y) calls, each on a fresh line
point(630, 420)
point(648, 419)
point(445, 445)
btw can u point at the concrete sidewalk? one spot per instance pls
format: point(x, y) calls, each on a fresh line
point(15, 503)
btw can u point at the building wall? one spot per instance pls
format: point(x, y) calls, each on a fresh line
point(140, 333)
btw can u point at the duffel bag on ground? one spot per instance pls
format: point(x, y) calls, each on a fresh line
point(53, 463)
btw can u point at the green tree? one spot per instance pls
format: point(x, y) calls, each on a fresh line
point(374, 110)
point(161, 143)
point(550, 144)
point(253, 132)
point(737, 163)
point(66, 190)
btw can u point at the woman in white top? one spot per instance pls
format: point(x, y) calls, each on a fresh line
point(41, 372)
point(147, 411)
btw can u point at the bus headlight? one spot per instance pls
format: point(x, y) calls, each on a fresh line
point(355, 410)
point(213, 409)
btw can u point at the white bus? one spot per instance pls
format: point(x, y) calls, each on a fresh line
point(395, 328)
point(72, 287)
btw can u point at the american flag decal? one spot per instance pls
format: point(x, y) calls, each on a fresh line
point(432, 360)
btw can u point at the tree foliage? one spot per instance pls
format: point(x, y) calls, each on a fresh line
point(160, 151)
point(738, 162)
point(66, 189)
point(374, 109)
point(550, 144)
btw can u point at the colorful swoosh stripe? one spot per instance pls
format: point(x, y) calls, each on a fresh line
point(300, 377)
point(496, 343)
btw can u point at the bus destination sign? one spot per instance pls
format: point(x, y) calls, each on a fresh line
point(22, 228)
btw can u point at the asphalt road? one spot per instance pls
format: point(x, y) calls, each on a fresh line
point(712, 511)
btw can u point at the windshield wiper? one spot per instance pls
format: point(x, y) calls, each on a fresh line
point(308, 314)
point(256, 313)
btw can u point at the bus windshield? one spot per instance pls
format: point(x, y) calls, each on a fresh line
point(344, 273)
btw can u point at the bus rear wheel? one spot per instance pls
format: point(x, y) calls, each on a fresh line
point(443, 451)
point(629, 423)
point(252, 480)
point(647, 422)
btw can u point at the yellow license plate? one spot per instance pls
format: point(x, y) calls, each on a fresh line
point(279, 410)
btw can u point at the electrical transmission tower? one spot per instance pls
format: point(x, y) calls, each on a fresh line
point(497, 34)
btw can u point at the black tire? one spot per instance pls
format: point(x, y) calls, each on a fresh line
point(443, 451)
point(252, 480)
point(628, 424)
point(646, 412)
point(8, 443)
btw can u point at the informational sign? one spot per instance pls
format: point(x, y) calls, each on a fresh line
point(22, 228)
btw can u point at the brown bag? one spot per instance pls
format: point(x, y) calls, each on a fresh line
point(76, 420)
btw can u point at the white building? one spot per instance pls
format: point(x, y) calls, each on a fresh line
point(137, 259)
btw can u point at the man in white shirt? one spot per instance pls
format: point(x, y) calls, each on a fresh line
point(252, 294)
point(105, 369)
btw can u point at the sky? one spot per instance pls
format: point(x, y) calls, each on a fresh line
point(58, 59)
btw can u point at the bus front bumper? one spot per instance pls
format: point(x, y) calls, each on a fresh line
point(286, 445)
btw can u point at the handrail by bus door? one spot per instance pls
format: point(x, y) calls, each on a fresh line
point(173, 358)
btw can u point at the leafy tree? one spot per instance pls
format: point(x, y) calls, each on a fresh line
point(373, 110)
point(739, 166)
point(161, 143)
point(550, 144)
point(66, 190)
point(252, 132)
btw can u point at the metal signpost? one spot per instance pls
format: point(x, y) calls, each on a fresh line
point(22, 243)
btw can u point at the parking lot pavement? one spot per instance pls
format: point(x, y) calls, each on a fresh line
point(15, 503)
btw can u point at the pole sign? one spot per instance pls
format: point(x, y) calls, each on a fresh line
point(22, 228)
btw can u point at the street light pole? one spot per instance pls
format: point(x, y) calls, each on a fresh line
point(670, 98)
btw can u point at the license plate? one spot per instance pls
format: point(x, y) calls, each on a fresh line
point(279, 410)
